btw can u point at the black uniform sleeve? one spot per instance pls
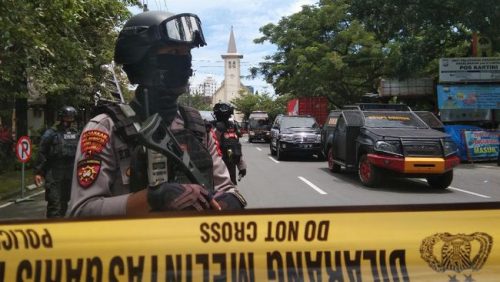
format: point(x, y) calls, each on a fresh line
point(42, 160)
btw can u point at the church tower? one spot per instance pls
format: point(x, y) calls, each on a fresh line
point(232, 84)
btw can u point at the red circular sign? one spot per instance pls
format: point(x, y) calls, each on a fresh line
point(23, 149)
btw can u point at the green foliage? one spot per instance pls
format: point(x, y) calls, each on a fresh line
point(60, 45)
point(246, 103)
point(196, 100)
point(340, 49)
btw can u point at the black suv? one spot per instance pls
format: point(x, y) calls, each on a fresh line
point(295, 134)
point(379, 139)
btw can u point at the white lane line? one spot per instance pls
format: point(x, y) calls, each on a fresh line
point(469, 192)
point(460, 190)
point(312, 185)
point(272, 159)
point(258, 148)
point(30, 196)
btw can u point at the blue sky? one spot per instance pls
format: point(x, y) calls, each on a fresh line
point(217, 17)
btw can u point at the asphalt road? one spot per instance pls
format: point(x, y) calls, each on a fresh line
point(307, 182)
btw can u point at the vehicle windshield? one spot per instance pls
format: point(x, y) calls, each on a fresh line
point(392, 120)
point(297, 122)
point(259, 123)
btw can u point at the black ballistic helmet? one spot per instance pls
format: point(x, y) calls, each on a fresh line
point(153, 29)
point(66, 111)
point(223, 111)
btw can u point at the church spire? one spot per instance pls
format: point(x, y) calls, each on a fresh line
point(231, 48)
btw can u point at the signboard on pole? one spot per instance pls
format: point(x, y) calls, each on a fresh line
point(23, 149)
point(469, 69)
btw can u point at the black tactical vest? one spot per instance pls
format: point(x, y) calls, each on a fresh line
point(191, 138)
point(229, 141)
point(64, 144)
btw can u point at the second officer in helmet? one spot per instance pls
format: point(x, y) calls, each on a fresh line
point(228, 134)
point(55, 160)
point(114, 171)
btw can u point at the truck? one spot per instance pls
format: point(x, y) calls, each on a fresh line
point(313, 106)
point(259, 126)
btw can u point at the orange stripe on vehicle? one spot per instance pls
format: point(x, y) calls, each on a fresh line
point(424, 165)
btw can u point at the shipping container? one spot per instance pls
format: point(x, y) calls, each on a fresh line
point(314, 106)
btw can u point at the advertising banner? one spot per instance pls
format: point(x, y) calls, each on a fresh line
point(482, 145)
point(469, 69)
point(468, 96)
point(419, 245)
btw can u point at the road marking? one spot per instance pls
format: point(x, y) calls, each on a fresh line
point(469, 192)
point(272, 159)
point(30, 196)
point(258, 148)
point(312, 185)
point(460, 190)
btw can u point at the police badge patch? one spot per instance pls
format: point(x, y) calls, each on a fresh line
point(88, 170)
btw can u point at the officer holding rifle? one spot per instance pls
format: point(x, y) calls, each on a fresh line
point(152, 155)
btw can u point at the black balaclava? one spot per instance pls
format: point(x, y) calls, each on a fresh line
point(165, 76)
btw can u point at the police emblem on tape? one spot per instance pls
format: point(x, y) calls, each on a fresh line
point(458, 253)
point(93, 142)
point(88, 170)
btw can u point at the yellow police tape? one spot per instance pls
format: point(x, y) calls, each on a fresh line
point(307, 246)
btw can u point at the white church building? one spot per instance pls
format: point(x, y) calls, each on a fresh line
point(231, 86)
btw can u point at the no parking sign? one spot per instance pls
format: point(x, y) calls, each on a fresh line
point(23, 149)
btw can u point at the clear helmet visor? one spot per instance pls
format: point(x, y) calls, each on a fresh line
point(184, 28)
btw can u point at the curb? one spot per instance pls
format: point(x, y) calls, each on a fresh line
point(10, 195)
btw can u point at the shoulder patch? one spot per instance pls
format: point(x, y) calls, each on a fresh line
point(88, 171)
point(93, 142)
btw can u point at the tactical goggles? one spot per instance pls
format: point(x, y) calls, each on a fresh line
point(182, 28)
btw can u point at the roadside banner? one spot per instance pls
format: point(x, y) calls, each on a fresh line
point(375, 244)
point(482, 144)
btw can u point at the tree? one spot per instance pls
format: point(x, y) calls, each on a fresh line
point(247, 103)
point(340, 49)
point(322, 51)
point(196, 100)
point(419, 32)
point(59, 44)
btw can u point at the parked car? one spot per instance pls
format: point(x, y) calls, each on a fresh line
point(295, 134)
point(259, 126)
point(379, 140)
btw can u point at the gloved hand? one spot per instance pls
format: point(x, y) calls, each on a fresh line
point(242, 173)
point(229, 201)
point(173, 196)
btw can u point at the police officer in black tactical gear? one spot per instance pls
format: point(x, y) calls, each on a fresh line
point(55, 161)
point(118, 169)
point(228, 136)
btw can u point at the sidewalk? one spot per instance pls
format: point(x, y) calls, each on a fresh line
point(17, 193)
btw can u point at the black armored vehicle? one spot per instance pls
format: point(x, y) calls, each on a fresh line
point(380, 139)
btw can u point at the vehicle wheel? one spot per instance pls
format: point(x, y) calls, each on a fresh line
point(273, 152)
point(250, 140)
point(331, 164)
point(279, 154)
point(441, 181)
point(368, 173)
